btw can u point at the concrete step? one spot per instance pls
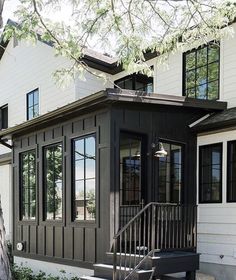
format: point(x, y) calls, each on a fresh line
point(106, 271)
point(201, 276)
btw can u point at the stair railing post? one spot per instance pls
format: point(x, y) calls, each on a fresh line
point(153, 227)
point(115, 259)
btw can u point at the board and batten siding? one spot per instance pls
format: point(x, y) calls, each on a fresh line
point(67, 242)
point(217, 221)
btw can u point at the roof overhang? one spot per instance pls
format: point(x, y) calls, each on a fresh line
point(107, 98)
point(92, 58)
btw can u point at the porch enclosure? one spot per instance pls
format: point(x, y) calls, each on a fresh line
point(74, 214)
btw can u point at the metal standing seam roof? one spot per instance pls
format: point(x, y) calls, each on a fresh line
point(106, 97)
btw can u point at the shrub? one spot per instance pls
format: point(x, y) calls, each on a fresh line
point(25, 273)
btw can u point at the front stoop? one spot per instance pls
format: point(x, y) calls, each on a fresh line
point(201, 276)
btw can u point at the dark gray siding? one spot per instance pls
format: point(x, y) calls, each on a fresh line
point(167, 122)
point(66, 242)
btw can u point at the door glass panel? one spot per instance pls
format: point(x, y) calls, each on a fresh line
point(130, 170)
point(170, 170)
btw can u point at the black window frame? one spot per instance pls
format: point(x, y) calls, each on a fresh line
point(195, 50)
point(21, 192)
point(133, 78)
point(229, 166)
point(4, 117)
point(44, 202)
point(183, 146)
point(200, 201)
point(34, 104)
point(73, 181)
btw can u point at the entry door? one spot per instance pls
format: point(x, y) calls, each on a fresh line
point(132, 195)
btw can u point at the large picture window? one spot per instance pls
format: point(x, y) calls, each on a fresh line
point(170, 170)
point(84, 161)
point(53, 180)
point(201, 72)
point(210, 173)
point(28, 185)
point(231, 172)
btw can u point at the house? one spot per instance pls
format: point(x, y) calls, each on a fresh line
point(88, 183)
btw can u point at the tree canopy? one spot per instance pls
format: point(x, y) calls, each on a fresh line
point(126, 29)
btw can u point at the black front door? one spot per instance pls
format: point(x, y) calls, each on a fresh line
point(132, 161)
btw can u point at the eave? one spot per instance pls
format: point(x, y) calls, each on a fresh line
point(104, 99)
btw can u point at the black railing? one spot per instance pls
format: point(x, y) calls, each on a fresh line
point(127, 212)
point(157, 227)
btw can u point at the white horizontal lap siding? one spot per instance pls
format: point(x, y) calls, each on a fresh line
point(25, 68)
point(90, 83)
point(217, 221)
point(169, 76)
point(228, 69)
point(6, 197)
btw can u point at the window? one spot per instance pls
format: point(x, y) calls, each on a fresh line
point(53, 181)
point(136, 82)
point(231, 172)
point(201, 72)
point(210, 173)
point(84, 178)
point(170, 173)
point(33, 104)
point(4, 117)
point(28, 185)
point(130, 170)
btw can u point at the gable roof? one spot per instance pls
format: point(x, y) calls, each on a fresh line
point(91, 57)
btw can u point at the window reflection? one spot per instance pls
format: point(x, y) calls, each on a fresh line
point(53, 181)
point(210, 173)
point(28, 185)
point(130, 170)
point(85, 178)
point(202, 72)
point(170, 174)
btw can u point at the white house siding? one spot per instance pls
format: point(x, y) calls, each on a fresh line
point(24, 68)
point(169, 76)
point(6, 197)
point(90, 83)
point(228, 69)
point(217, 221)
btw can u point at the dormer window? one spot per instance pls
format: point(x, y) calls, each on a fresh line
point(202, 71)
point(32, 104)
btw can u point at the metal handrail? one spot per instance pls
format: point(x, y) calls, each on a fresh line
point(157, 226)
point(139, 214)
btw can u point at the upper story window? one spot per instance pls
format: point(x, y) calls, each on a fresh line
point(4, 117)
point(138, 82)
point(170, 173)
point(28, 185)
point(32, 104)
point(84, 178)
point(210, 173)
point(202, 71)
point(53, 181)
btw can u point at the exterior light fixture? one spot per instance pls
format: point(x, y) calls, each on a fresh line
point(137, 155)
point(160, 152)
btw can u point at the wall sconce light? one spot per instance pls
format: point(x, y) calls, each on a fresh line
point(137, 155)
point(160, 151)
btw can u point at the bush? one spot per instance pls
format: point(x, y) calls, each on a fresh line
point(25, 273)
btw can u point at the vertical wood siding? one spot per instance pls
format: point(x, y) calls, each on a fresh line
point(74, 242)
